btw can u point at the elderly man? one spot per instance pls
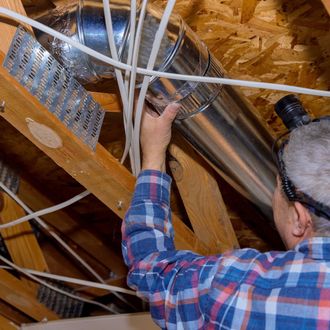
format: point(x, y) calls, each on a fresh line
point(240, 289)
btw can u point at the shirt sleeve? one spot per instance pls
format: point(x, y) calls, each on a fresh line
point(176, 283)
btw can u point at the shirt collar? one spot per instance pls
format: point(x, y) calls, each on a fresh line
point(315, 248)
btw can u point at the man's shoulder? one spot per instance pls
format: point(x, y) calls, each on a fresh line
point(274, 268)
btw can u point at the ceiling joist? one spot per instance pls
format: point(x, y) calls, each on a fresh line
point(202, 199)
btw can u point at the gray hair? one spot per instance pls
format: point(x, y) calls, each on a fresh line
point(307, 162)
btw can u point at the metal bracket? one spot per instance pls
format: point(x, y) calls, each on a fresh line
point(54, 87)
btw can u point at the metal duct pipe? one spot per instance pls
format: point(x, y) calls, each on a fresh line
point(215, 119)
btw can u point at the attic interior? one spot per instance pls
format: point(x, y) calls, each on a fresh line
point(275, 41)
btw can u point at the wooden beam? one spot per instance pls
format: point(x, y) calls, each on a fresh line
point(8, 26)
point(38, 3)
point(17, 294)
point(13, 314)
point(326, 4)
point(109, 102)
point(202, 199)
point(70, 227)
point(6, 324)
point(20, 240)
point(97, 171)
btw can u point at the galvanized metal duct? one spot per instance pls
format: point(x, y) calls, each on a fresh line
point(215, 119)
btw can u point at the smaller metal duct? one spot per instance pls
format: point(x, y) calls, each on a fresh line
point(215, 119)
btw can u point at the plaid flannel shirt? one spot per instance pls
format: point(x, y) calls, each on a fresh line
point(240, 289)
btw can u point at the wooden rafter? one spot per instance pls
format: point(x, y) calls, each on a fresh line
point(202, 199)
point(15, 293)
point(11, 313)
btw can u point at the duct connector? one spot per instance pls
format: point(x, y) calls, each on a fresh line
point(216, 119)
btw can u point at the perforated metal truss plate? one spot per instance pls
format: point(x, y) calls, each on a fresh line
point(9, 177)
point(40, 73)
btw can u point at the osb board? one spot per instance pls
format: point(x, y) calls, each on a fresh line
point(284, 42)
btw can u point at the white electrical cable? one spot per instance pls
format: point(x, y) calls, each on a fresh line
point(113, 50)
point(133, 13)
point(127, 116)
point(45, 211)
point(132, 82)
point(72, 280)
point(73, 296)
point(115, 290)
point(145, 84)
point(123, 66)
point(128, 108)
point(52, 233)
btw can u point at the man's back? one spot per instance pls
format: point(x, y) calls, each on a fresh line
point(243, 289)
point(274, 290)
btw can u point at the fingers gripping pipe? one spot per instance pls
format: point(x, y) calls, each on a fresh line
point(215, 119)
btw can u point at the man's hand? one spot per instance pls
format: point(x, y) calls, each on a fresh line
point(155, 136)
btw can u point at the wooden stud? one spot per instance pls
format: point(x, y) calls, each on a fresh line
point(14, 292)
point(20, 240)
point(202, 199)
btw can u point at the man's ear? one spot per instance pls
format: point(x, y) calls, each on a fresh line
point(302, 223)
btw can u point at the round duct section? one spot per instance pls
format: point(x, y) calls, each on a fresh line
point(216, 119)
